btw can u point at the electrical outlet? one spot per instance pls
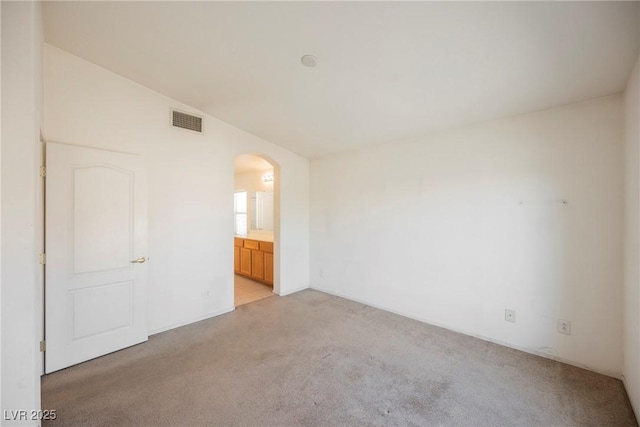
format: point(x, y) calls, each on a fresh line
point(510, 315)
point(564, 326)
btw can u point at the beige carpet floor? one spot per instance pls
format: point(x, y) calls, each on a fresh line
point(313, 359)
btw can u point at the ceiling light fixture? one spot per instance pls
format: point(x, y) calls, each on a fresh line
point(309, 61)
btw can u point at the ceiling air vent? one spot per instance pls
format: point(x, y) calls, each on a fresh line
point(186, 121)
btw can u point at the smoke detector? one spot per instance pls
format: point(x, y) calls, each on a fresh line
point(309, 61)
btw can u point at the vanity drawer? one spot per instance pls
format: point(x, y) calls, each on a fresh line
point(237, 242)
point(266, 247)
point(252, 244)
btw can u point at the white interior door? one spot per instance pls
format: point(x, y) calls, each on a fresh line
point(96, 229)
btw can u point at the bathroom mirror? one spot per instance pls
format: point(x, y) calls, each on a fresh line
point(261, 210)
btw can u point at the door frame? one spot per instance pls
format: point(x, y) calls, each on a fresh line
point(276, 216)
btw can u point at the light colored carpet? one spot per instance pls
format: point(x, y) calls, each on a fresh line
point(314, 359)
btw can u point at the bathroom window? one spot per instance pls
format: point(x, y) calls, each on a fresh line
point(240, 211)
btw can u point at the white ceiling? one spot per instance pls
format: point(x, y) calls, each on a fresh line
point(386, 71)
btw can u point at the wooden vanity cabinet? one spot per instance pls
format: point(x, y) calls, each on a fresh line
point(237, 244)
point(245, 261)
point(268, 268)
point(257, 265)
point(254, 259)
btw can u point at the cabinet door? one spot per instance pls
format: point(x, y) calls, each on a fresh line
point(268, 268)
point(236, 259)
point(245, 261)
point(257, 264)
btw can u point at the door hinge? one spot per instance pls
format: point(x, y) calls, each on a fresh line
point(43, 171)
point(43, 346)
point(43, 259)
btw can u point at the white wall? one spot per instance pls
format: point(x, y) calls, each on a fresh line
point(454, 227)
point(252, 181)
point(1, 406)
point(191, 184)
point(21, 202)
point(631, 308)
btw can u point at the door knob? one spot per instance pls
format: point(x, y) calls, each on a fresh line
point(140, 260)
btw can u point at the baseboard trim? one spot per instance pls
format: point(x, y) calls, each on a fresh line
point(294, 291)
point(636, 411)
point(613, 374)
point(192, 320)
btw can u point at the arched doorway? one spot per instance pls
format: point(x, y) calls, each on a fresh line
point(256, 228)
